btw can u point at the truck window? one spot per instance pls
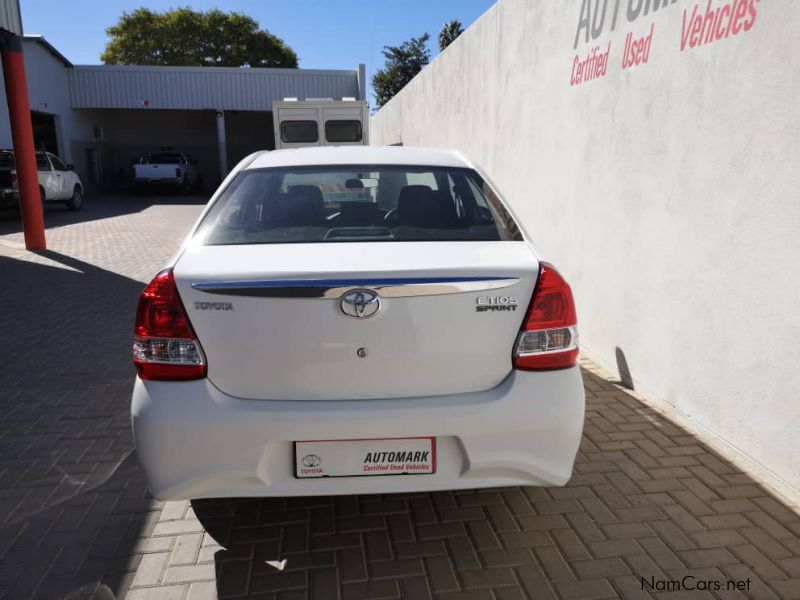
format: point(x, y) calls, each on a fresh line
point(57, 164)
point(299, 132)
point(343, 131)
point(42, 164)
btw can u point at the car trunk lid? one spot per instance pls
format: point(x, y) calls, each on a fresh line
point(274, 325)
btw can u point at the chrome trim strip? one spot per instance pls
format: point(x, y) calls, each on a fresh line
point(334, 288)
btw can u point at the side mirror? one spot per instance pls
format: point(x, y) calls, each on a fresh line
point(70, 167)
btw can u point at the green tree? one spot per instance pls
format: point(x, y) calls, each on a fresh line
point(184, 37)
point(450, 31)
point(403, 62)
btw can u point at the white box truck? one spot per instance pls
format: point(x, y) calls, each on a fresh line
point(320, 122)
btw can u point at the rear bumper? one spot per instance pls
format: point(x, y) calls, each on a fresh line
point(196, 442)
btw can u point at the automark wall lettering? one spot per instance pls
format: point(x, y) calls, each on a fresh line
point(702, 23)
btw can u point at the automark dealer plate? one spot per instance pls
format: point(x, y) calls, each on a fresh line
point(347, 458)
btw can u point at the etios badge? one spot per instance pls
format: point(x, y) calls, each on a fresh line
point(360, 304)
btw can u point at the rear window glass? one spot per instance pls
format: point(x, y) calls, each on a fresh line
point(162, 159)
point(343, 131)
point(42, 164)
point(356, 203)
point(299, 132)
point(6, 160)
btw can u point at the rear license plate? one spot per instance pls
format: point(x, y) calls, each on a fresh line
point(349, 458)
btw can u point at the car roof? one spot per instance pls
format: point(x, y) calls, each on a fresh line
point(359, 155)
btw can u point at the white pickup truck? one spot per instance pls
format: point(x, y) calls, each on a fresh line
point(167, 168)
point(57, 182)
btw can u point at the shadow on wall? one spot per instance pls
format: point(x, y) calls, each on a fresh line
point(74, 499)
point(625, 377)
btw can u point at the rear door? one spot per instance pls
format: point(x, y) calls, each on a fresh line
point(47, 177)
point(342, 126)
point(63, 178)
point(298, 128)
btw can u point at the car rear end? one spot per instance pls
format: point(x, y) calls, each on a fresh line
point(294, 349)
point(164, 168)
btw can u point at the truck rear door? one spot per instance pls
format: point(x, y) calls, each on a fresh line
point(343, 126)
point(298, 128)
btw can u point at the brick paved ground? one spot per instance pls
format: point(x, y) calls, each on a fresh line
point(647, 500)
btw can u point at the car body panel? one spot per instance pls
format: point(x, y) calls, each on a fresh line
point(303, 348)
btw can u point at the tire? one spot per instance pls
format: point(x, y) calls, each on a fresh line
point(76, 202)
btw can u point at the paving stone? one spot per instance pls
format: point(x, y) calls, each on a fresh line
point(646, 500)
point(150, 569)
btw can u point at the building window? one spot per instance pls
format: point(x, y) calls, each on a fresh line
point(299, 132)
point(343, 131)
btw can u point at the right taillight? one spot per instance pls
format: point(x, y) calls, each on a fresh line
point(164, 345)
point(549, 335)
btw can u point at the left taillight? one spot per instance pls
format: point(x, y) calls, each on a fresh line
point(165, 346)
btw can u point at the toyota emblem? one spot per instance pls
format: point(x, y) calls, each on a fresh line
point(311, 460)
point(360, 304)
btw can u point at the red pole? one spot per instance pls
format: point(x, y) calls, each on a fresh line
point(19, 113)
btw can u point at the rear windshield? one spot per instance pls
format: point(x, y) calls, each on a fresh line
point(356, 203)
point(162, 159)
point(6, 160)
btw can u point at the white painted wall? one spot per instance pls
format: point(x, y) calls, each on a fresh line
point(667, 193)
point(48, 91)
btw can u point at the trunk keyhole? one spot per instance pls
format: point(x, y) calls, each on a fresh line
point(361, 352)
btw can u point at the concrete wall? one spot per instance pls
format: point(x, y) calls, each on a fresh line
point(667, 193)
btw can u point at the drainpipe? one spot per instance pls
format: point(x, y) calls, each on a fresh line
point(19, 114)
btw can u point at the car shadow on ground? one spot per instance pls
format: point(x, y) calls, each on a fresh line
point(98, 206)
point(519, 542)
point(73, 500)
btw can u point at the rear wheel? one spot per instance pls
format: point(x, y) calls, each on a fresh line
point(76, 201)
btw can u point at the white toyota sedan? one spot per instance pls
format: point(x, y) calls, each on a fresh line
point(355, 320)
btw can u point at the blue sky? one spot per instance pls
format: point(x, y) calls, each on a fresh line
point(326, 34)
